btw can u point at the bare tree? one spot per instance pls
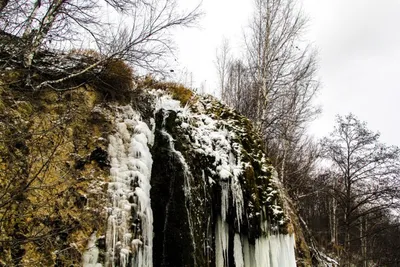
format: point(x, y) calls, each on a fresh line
point(143, 41)
point(222, 62)
point(284, 74)
point(236, 82)
point(365, 173)
point(282, 84)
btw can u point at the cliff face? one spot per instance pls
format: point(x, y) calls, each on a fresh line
point(152, 181)
point(218, 191)
point(53, 178)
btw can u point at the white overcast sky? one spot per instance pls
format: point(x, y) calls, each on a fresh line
point(359, 56)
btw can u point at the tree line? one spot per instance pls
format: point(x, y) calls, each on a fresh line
point(346, 186)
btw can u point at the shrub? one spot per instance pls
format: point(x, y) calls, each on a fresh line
point(180, 92)
point(116, 78)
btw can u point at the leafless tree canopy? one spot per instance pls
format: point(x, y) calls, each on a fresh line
point(364, 181)
point(348, 205)
point(142, 39)
point(276, 82)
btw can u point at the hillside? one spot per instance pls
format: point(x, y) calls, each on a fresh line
point(161, 177)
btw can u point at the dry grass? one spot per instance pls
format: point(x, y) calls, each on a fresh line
point(178, 91)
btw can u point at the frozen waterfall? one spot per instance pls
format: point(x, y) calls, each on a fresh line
point(129, 234)
point(273, 250)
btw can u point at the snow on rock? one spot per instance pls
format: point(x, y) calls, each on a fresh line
point(129, 237)
point(211, 137)
point(212, 140)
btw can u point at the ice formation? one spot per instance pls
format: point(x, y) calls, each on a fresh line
point(129, 233)
point(166, 104)
point(268, 251)
point(91, 255)
point(209, 137)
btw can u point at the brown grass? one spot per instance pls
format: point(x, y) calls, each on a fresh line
point(178, 91)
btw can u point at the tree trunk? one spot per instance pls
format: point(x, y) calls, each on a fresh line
point(363, 238)
point(347, 239)
point(34, 38)
point(333, 222)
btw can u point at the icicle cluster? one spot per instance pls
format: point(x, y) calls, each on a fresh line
point(271, 251)
point(129, 234)
point(209, 137)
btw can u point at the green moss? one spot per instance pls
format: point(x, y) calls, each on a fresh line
point(11, 76)
point(24, 109)
point(34, 129)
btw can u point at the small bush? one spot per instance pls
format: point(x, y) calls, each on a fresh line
point(115, 78)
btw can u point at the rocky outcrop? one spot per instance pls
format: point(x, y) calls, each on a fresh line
point(153, 181)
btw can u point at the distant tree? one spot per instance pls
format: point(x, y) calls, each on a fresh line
point(222, 62)
point(284, 76)
point(276, 81)
point(365, 184)
point(237, 85)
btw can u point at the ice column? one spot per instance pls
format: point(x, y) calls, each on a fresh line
point(91, 255)
point(129, 234)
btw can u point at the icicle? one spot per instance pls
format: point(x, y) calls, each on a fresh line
point(211, 138)
point(238, 251)
point(275, 251)
point(224, 199)
point(129, 192)
point(91, 255)
point(221, 243)
point(248, 252)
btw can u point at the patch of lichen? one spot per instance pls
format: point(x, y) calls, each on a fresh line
point(47, 217)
